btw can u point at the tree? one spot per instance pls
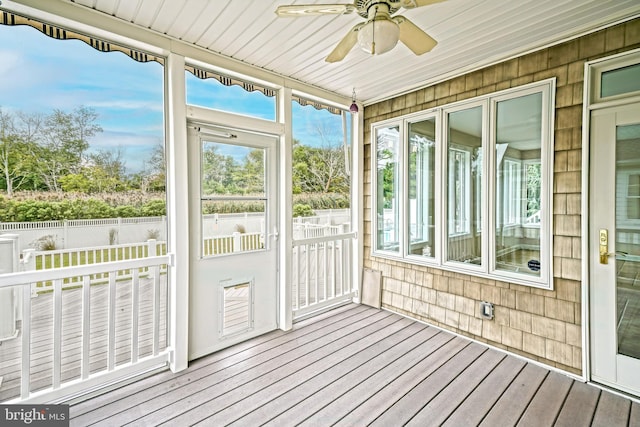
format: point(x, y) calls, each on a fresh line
point(217, 171)
point(249, 177)
point(106, 170)
point(16, 146)
point(64, 140)
point(319, 169)
point(153, 177)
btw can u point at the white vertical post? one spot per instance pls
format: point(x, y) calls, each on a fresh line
point(177, 200)
point(285, 211)
point(237, 242)
point(65, 233)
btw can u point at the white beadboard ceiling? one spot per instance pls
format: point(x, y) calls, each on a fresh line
point(470, 34)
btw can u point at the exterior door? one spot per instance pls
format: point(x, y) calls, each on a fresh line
point(233, 249)
point(615, 247)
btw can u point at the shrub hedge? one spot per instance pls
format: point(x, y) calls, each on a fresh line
point(34, 206)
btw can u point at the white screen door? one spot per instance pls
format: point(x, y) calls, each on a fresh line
point(615, 247)
point(233, 237)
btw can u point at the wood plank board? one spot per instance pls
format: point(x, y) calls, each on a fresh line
point(358, 366)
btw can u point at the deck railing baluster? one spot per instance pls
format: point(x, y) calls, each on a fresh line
point(86, 325)
point(25, 385)
point(57, 332)
point(135, 300)
point(156, 309)
point(111, 321)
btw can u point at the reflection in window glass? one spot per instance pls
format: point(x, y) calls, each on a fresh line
point(422, 137)
point(388, 181)
point(464, 147)
point(518, 143)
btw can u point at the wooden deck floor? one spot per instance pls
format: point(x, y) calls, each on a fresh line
point(358, 366)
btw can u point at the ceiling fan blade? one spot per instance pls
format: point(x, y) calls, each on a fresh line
point(296, 10)
point(413, 37)
point(410, 4)
point(345, 45)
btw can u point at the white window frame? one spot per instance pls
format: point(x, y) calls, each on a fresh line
point(487, 182)
point(399, 186)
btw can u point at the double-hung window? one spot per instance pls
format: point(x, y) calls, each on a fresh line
point(466, 187)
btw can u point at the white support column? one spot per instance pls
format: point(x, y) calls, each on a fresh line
point(177, 212)
point(357, 198)
point(285, 310)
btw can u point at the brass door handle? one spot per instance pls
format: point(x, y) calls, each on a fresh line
point(604, 257)
point(604, 246)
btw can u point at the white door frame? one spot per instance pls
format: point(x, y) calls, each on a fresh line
point(591, 102)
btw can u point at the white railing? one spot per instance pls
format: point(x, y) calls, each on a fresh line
point(236, 242)
point(73, 340)
point(33, 260)
point(322, 272)
point(307, 230)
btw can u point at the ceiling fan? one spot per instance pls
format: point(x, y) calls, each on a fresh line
point(379, 33)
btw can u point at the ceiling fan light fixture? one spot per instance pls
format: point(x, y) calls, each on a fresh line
point(378, 36)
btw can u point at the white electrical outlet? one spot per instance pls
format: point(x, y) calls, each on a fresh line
point(486, 310)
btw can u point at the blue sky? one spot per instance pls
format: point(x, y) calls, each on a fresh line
point(40, 74)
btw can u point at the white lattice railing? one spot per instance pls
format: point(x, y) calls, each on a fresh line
point(72, 340)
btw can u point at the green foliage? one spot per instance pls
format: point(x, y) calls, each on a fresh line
point(75, 182)
point(302, 210)
point(322, 200)
point(154, 208)
point(126, 211)
point(30, 207)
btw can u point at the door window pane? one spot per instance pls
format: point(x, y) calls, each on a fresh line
point(628, 239)
point(233, 204)
point(518, 143)
point(388, 181)
point(422, 137)
point(464, 148)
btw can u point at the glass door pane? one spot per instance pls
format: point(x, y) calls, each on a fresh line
point(628, 239)
point(233, 200)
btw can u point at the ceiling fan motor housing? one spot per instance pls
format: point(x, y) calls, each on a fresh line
point(364, 6)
